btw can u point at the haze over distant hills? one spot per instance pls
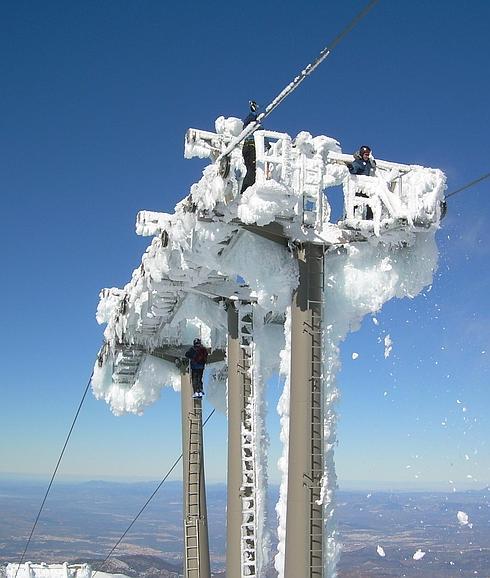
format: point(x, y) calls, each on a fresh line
point(83, 521)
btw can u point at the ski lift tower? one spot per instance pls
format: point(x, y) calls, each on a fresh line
point(292, 182)
point(398, 202)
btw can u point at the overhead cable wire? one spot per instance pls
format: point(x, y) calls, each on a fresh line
point(54, 474)
point(482, 178)
point(143, 508)
point(311, 67)
point(292, 86)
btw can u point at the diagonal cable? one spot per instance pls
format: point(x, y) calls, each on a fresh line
point(143, 508)
point(320, 58)
point(54, 475)
point(255, 125)
point(482, 178)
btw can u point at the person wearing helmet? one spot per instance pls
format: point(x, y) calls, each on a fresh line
point(364, 164)
point(198, 356)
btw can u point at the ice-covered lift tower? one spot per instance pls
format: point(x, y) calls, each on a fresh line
point(270, 284)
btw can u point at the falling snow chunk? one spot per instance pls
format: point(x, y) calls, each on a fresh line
point(355, 355)
point(375, 321)
point(419, 554)
point(388, 346)
point(380, 551)
point(464, 519)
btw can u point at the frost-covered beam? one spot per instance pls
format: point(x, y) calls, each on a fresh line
point(174, 353)
point(386, 165)
point(273, 231)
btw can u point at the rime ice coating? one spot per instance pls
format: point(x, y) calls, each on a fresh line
point(201, 244)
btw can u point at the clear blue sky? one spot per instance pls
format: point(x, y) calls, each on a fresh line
point(96, 97)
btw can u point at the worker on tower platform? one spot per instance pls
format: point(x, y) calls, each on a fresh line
point(364, 164)
point(248, 150)
point(198, 356)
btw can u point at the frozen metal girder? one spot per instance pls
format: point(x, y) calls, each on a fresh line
point(225, 288)
point(191, 254)
point(400, 196)
point(127, 359)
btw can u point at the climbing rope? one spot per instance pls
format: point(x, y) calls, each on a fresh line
point(54, 475)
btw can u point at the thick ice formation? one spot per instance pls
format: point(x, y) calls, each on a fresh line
point(153, 374)
point(219, 244)
point(269, 342)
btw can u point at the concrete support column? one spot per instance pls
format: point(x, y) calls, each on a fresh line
point(234, 503)
point(196, 541)
point(304, 519)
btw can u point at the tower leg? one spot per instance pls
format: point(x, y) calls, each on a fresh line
point(242, 475)
point(196, 541)
point(234, 502)
point(304, 518)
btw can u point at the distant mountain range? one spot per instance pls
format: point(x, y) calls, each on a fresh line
point(82, 522)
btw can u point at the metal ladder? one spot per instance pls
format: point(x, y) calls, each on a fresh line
point(310, 185)
point(191, 525)
point(248, 533)
point(316, 285)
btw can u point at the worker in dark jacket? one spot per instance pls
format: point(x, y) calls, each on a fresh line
point(248, 150)
point(365, 165)
point(198, 356)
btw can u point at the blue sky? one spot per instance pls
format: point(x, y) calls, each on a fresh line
point(95, 100)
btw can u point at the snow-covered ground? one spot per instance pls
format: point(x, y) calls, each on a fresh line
point(30, 570)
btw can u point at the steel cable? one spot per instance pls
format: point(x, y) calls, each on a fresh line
point(468, 185)
point(255, 125)
point(143, 508)
point(54, 474)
